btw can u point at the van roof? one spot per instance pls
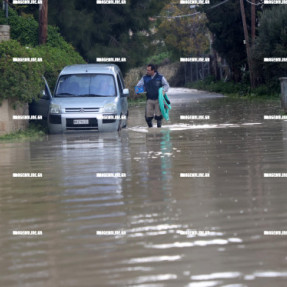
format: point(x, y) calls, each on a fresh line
point(90, 69)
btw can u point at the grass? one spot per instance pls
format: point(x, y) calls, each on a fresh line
point(238, 90)
point(35, 131)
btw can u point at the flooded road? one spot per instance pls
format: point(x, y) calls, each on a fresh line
point(189, 205)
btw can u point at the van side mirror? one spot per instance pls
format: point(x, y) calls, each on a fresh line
point(44, 96)
point(125, 93)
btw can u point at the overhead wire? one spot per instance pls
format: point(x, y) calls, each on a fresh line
point(255, 4)
point(187, 15)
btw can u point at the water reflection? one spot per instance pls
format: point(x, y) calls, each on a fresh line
point(152, 203)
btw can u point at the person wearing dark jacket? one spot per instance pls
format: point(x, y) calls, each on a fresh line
point(152, 82)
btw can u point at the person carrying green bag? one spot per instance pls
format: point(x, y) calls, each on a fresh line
point(152, 82)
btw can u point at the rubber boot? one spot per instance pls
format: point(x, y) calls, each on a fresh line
point(149, 122)
point(158, 119)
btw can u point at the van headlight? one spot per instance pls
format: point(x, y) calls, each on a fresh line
point(55, 109)
point(110, 108)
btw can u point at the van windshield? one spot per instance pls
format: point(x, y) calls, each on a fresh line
point(89, 85)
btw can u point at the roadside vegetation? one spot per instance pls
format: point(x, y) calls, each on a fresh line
point(234, 89)
point(35, 131)
point(270, 42)
point(144, 31)
point(22, 82)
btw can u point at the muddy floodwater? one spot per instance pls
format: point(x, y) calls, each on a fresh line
point(198, 203)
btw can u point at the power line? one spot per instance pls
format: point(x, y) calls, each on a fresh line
point(216, 5)
point(179, 16)
point(187, 15)
point(260, 3)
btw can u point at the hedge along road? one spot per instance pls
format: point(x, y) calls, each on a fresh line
point(185, 205)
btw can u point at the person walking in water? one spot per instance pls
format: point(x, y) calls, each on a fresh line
point(152, 82)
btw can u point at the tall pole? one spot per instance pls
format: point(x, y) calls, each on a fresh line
point(6, 8)
point(246, 36)
point(253, 21)
point(43, 22)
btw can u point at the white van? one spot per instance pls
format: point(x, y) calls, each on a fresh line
point(90, 97)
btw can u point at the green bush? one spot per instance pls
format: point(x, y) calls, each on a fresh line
point(25, 29)
point(22, 81)
point(219, 87)
point(22, 29)
point(3, 20)
point(232, 88)
point(55, 59)
point(271, 42)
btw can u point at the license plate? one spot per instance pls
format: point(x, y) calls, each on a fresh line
point(80, 122)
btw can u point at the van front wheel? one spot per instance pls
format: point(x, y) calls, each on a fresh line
point(126, 120)
point(120, 124)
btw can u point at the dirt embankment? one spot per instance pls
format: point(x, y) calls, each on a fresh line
point(170, 71)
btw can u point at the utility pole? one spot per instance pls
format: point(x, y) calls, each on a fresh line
point(5, 7)
point(253, 21)
point(43, 22)
point(246, 36)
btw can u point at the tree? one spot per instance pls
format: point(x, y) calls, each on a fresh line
point(184, 36)
point(271, 42)
point(225, 23)
point(106, 30)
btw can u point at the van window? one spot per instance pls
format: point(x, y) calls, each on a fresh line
point(120, 84)
point(86, 85)
point(122, 79)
